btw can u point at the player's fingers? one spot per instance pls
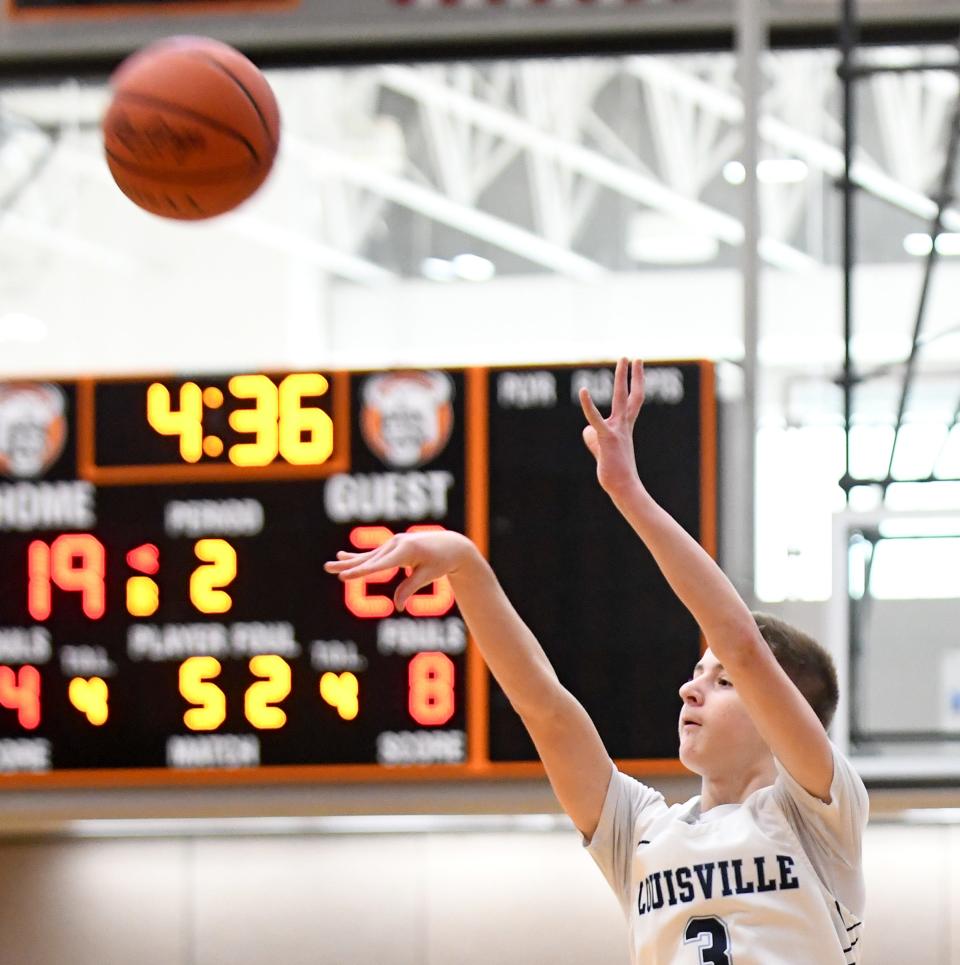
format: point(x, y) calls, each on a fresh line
point(416, 578)
point(590, 440)
point(637, 387)
point(362, 564)
point(344, 559)
point(348, 556)
point(590, 411)
point(339, 566)
point(620, 386)
point(369, 568)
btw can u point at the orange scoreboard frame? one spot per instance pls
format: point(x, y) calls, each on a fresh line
point(165, 619)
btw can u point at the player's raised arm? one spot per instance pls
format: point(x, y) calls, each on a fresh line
point(781, 714)
point(576, 762)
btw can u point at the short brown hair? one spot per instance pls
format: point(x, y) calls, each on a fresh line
point(806, 663)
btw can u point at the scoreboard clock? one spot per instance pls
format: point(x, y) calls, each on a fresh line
point(165, 616)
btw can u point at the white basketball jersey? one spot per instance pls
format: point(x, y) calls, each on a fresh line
point(776, 880)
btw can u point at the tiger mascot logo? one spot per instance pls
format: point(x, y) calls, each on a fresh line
point(407, 417)
point(33, 428)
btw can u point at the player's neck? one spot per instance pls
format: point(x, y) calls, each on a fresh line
point(736, 788)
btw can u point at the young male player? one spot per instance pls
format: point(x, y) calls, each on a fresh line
point(764, 866)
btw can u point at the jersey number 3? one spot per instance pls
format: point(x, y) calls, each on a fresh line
point(712, 939)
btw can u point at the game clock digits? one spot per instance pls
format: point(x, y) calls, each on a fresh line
point(165, 615)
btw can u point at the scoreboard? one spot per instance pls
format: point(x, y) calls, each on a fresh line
point(165, 616)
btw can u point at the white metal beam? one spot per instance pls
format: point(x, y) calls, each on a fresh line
point(299, 245)
point(434, 205)
point(814, 151)
point(591, 164)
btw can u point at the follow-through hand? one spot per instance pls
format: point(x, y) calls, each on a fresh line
point(610, 440)
point(426, 557)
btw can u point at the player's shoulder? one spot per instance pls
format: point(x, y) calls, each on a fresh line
point(629, 809)
point(847, 789)
point(835, 825)
point(633, 797)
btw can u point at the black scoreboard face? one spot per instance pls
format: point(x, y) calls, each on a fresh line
point(165, 616)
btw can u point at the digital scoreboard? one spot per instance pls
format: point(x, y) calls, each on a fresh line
point(165, 616)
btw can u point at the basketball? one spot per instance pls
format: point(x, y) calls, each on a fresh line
point(192, 128)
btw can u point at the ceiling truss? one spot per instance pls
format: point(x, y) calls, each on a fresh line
point(568, 140)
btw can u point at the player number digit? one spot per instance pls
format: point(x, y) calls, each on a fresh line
point(712, 939)
point(260, 696)
point(196, 674)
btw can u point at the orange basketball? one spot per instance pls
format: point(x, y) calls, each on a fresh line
point(192, 129)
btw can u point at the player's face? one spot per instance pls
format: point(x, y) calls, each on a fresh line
point(717, 735)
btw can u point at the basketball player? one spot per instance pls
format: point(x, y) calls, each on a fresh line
point(763, 867)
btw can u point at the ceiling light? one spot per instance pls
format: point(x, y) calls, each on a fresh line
point(437, 269)
point(917, 244)
point(734, 172)
point(920, 245)
point(460, 268)
point(782, 170)
point(473, 268)
point(785, 170)
point(949, 244)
